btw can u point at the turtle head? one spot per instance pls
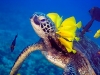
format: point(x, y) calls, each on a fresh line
point(42, 24)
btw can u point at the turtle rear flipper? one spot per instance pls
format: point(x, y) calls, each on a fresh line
point(78, 65)
point(70, 70)
point(23, 55)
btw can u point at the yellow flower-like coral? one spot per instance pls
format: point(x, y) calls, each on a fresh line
point(66, 30)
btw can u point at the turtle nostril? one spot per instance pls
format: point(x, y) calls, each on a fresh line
point(36, 21)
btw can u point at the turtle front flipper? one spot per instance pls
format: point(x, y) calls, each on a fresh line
point(70, 70)
point(23, 55)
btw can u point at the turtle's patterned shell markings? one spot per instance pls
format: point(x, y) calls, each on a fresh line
point(52, 49)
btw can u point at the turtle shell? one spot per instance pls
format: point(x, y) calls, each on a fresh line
point(90, 49)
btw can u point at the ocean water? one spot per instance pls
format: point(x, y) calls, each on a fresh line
point(14, 19)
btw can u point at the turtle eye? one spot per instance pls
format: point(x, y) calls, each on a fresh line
point(42, 20)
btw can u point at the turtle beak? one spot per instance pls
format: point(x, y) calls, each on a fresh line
point(36, 20)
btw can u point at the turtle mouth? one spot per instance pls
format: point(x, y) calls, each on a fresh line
point(36, 20)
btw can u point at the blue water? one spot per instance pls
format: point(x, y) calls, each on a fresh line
point(14, 18)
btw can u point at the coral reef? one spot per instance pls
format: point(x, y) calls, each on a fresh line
point(35, 64)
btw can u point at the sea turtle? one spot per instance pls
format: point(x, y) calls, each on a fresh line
point(51, 48)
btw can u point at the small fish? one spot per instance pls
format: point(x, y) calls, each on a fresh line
point(18, 74)
point(68, 28)
point(97, 34)
point(68, 45)
point(13, 43)
point(55, 17)
point(95, 15)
